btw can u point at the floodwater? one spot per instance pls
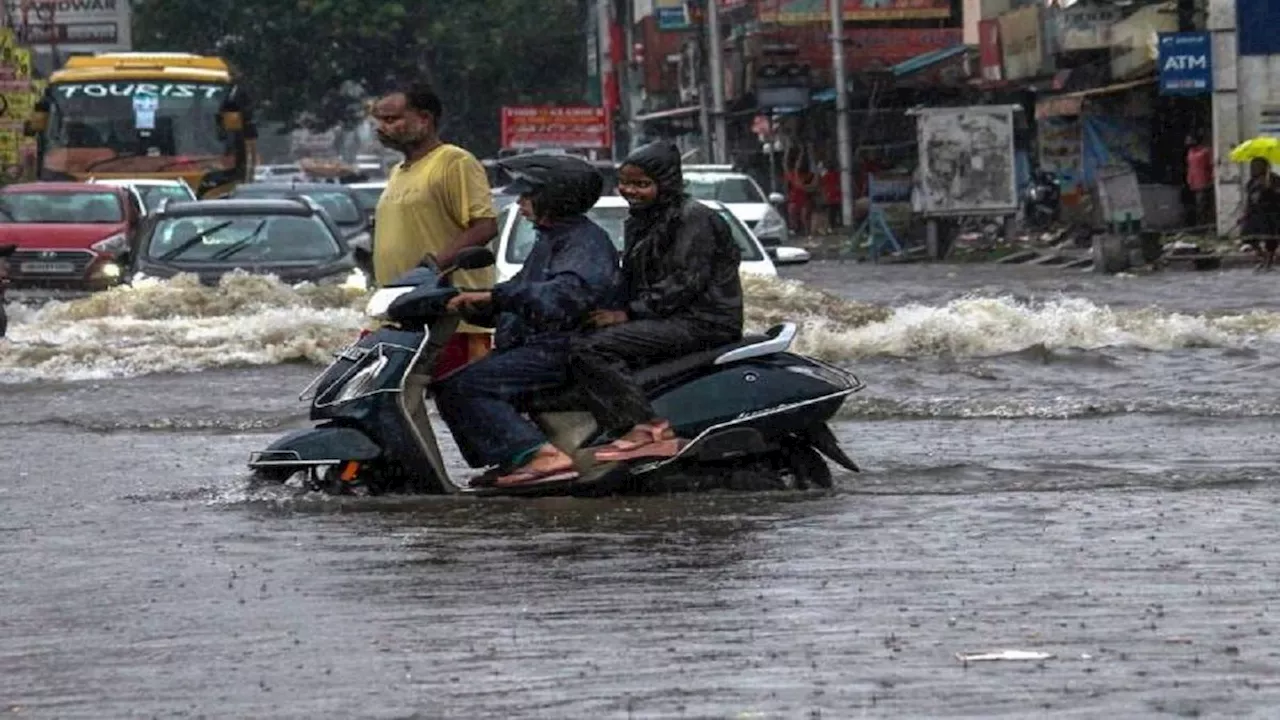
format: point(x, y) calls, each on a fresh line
point(1054, 462)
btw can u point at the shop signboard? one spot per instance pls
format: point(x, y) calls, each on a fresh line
point(1083, 27)
point(1256, 27)
point(866, 48)
point(80, 25)
point(547, 127)
point(671, 14)
point(1186, 63)
point(1022, 43)
point(1135, 40)
point(798, 12)
point(989, 56)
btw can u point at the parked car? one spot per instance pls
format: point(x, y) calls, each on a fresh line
point(743, 197)
point(516, 237)
point(340, 201)
point(293, 239)
point(367, 195)
point(69, 235)
point(150, 192)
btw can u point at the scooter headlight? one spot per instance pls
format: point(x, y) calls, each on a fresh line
point(362, 381)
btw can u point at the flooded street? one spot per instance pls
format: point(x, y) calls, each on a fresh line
point(1053, 461)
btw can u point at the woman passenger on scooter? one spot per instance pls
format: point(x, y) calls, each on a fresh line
point(571, 270)
point(682, 295)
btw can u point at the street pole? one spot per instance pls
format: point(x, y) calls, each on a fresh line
point(704, 109)
point(842, 113)
point(720, 148)
point(633, 76)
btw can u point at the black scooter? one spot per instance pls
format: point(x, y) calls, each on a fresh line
point(1043, 203)
point(756, 414)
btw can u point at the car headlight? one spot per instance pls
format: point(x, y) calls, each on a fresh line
point(110, 271)
point(771, 225)
point(113, 245)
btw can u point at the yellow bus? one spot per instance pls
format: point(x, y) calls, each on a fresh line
point(145, 115)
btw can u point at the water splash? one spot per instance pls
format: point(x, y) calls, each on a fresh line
point(179, 325)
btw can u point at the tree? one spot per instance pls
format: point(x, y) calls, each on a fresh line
point(306, 62)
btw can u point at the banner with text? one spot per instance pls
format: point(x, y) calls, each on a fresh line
point(547, 127)
point(795, 12)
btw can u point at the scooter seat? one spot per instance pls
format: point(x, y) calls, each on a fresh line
point(655, 375)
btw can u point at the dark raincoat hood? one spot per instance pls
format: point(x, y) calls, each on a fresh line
point(661, 162)
point(560, 186)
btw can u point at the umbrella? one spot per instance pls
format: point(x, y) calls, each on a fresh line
point(1267, 148)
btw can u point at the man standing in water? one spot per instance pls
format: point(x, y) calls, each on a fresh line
point(436, 203)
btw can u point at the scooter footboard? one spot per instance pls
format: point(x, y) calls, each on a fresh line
point(315, 447)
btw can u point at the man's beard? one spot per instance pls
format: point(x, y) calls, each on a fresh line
point(392, 142)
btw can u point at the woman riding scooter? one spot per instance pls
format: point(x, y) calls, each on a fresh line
point(682, 295)
point(571, 270)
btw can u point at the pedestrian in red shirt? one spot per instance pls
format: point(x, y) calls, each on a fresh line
point(1199, 181)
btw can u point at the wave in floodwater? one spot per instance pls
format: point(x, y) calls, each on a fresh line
point(178, 325)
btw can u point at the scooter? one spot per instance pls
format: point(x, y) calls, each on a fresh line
point(756, 414)
point(1043, 203)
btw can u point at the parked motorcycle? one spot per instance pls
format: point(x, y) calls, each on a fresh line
point(757, 414)
point(1042, 205)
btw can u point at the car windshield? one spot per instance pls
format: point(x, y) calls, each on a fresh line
point(341, 208)
point(66, 207)
point(367, 197)
point(270, 238)
point(725, 188)
point(153, 194)
point(612, 220)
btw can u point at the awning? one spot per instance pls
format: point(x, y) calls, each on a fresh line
point(1073, 103)
point(927, 60)
point(668, 114)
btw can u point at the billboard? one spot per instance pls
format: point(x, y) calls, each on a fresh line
point(543, 127)
point(72, 25)
point(795, 12)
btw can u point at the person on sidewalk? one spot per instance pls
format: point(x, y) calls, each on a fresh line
point(1261, 226)
point(571, 271)
point(1199, 182)
point(436, 203)
point(682, 295)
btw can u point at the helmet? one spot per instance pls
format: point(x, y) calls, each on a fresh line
point(559, 186)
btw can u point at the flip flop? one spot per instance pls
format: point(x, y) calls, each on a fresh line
point(667, 448)
point(528, 478)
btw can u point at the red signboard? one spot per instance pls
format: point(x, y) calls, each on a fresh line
point(989, 56)
point(867, 48)
point(795, 12)
point(544, 127)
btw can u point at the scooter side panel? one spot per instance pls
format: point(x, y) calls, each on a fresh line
point(724, 393)
point(321, 445)
point(343, 367)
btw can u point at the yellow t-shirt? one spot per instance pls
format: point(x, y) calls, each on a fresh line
point(424, 207)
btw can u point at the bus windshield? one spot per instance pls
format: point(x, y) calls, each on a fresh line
point(122, 126)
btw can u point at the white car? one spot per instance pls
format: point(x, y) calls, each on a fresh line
point(150, 192)
point(744, 198)
point(517, 235)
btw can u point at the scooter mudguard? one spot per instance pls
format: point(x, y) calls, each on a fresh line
point(318, 446)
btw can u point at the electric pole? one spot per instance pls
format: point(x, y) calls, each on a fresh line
point(842, 113)
point(715, 65)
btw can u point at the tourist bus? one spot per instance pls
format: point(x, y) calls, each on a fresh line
point(145, 115)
